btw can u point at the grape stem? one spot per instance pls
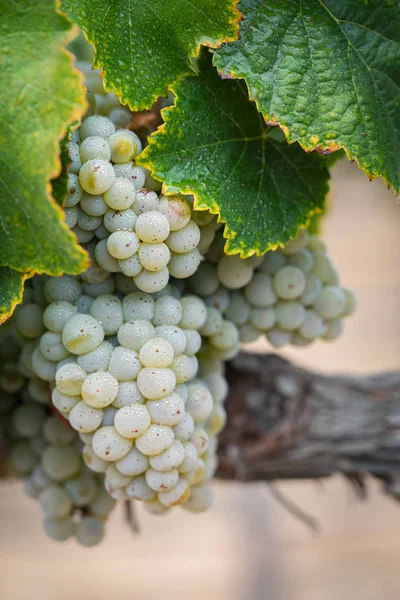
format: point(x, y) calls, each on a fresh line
point(288, 423)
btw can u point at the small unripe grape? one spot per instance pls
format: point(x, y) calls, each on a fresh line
point(154, 257)
point(94, 205)
point(330, 303)
point(170, 458)
point(177, 495)
point(61, 463)
point(43, 368)
point(128, 393)
point(29, 320)
point(200, 402)
point(75, 191)
point(161, 481)
point(200, 499)
point(124, 364)
point(184, 429)
point(297, 244)
point(51, 346)
point(129, 170)
point(289, 315)
point(132, 464)
point(119, 220)
point(138, 305)
point(131, 267)
point(145, 200)
point(174, 335)
point(132, 420)
point(89, 531)
point(69, 379)
point(140, 490)
point(279, 338)
point(185, 239)
point(123, 244)
point(313, 326)
point(168, 411)
point(85, 418)
point(194, 312)
point(54, 502)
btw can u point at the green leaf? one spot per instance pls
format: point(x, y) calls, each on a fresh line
point(144, 47)
point(215, 145)
point(11, 290)
point(40, 94)
point(328, 72)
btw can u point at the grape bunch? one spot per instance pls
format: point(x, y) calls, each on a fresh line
point(292, 294)
point(45, 453)
point(126, 227)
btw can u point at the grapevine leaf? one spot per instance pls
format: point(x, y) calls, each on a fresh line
point(11, 290)
point(41, 94)
point(144, 47)
point(215, 145)
point(328, 72)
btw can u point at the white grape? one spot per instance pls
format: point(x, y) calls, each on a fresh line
point(190, 458)
point(140, 490)
point(185, 239)
point(116, 479)
point(101, 232)
point(57, 432)
point(83, 236)
point(124, 364)
point(54, 502)
point(81, 334)
point(154, 257)
point(43, 368)
point(131, 267)
point(99, 389)
point(60, 463)
point(218, 386)
point(213, 322)
point(29, 320)
point(194, 312)
point(96, 176)
point(167, 311)
point(51, 346)
point(200, 439)
point(152, 281)
point(156, 439)
point(200, 402)
point(56, 315)
point(289, 315)
point(121, 194)
point(157, 352)
point(302, 259)
point(92, 461)
point(351, 303)
point(104, 258)
point(89, 531)
point(117, 220)
point(168, 411)
point(109, 445)
point(313, 326)
point(152, 227)
point(59, 529)
point(122, 244)
point(184, 368)
point(132, 420)
point(182, 266)
point(170, 458)
point(82, 489)
point(297, 244)
point(260, 292)
point(262, 318)
point(120, 116)
point(99, 289)
point(63, 402)
point(85, 418)
point(184, 429)
point(330, 303)
point(204, 281)
point(131, 171)
point(217, 420)
point(161, 481)
point(155, 384)
point(28, 419)
point(322, 267)
point(124, 146)
point(177, 210)
point(289, 282)
point(107, 310)
point(94, 205)
point(312, 289)
point(71, 216)
point(193, 341)
point(135, 334)
point(132, 464)
point(69, 379)
point(74, 157)
point(138, 305)
point(87, 222)
point(96, 125)
point(145, 200)
point(174, 335)
point(94, 147)
point(75, 191)
point(177, 495)
point(279, 338)
point(65, 288)
point(128, 393)
point(97, 359)
point(333, 329)
point(234, 272)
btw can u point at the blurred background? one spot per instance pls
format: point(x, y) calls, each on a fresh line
point(248, 547)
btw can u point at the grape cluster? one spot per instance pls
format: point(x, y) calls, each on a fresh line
point(126, 227)
point(46, 453)
point(292, 295)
